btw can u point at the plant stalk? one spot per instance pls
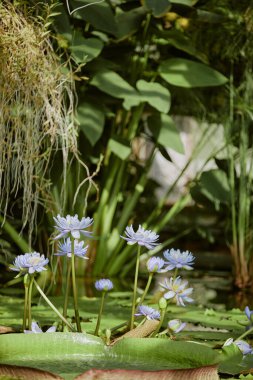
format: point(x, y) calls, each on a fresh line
point(100, 312)
point(52, 306)
point(78, 324)
point(135, 287)
point(147, 287)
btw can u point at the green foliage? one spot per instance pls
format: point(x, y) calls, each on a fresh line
point(184, 73)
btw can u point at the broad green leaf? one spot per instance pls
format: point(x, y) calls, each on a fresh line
point(158, 8)
point(62, 24)
point(129, 22)
point(113, 84)
point(180, 41)
point(119, 147)
point(215, 186)
point(85, 49)
point(155, 94)
point(184, 73)
point(91, 121)
point(189, 3)
point(165, 132)
point(73, 353)
point(232, 359)
point(166, 354)
point(99, 15)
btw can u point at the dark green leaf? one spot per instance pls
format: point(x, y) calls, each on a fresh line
point(215, 186)
point(119, 147)
point(155, 94)
point(129, 22)
point(98, 15)
point(85, 49)
point(91, 121)
point(189, 3)
point(232, 359)
point(165, 132)
point(158, 8)
point(180, 41)
point(113, 84)
point(184, 73)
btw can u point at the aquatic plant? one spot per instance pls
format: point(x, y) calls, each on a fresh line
point(73, 227)
point(176, 288)
point(148, 312)
point(177, 259)
point(142, 237)
point(153, 320)
point(35, 329)
point(104, 285)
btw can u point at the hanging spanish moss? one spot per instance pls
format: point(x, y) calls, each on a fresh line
point(36, 119)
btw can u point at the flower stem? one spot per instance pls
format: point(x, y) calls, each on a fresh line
point(66, 298)
point(52, 306)
point(30, 302)
point(163, 312)
point(26, 285)
point(100, 312)
point(78, 325)
point(247, 332)
point(135, 287)
point(147, 287)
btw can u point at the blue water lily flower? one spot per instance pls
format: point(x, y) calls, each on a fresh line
point(29, 263)
point(155, 265)
point(72, 226)
point(177, 259)
point(37, 330)
point(65, 249)
point(142, 237)
point(244, 347)
point(175, 325)
point(177, 289)
point(147, 312)
point(104, 285)
point(249, 314)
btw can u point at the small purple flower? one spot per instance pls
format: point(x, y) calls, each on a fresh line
point(37, 330)
point(175, 325)
point(71, 225)
point(177, 259)
point(243, 346)
point(29, 263)
point(155, 265)
point(177, 289)
point(142, 237)
point(65, 249)
point(104, 285)
point(249, 314)
point(147, 312)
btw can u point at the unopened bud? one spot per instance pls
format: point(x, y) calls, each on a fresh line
point(162, 303)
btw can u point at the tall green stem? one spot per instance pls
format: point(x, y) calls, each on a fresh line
point(26, 285)
point(100, 312)
point(78, 325)
point(147, 287)
point(247, 332)
point(52, 306)
point(66, 298)
point(30, 302)
point(135, 286)
point(163, 312)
